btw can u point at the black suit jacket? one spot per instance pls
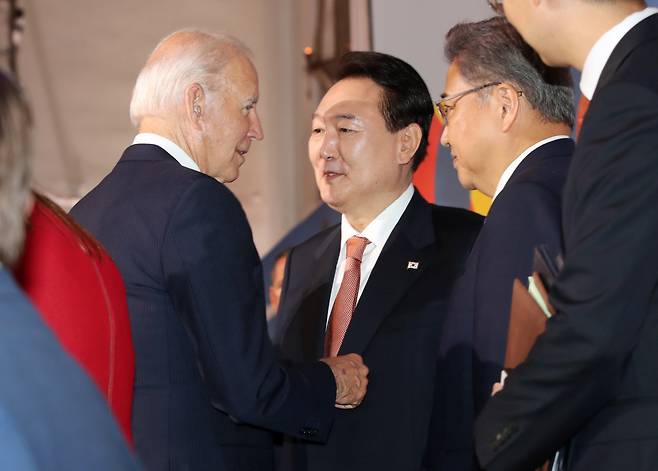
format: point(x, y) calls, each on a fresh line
point(52, 417)
point(395, 327)
point(203, 360)
point(525, 214)
point(592, 377)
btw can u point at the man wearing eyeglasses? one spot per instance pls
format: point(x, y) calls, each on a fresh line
point(592, 378)
point(507, 121)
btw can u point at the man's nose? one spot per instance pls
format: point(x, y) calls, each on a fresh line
point(256, 129)
point(444, 135)
point(329, 147)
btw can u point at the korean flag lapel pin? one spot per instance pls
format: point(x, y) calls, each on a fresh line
point(412, 265)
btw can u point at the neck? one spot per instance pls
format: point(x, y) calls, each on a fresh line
point(516, 146)
point(581, 36)
point(163, 128)
point(366, 211)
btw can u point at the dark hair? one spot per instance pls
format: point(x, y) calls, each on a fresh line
point(493, 51)
point(405, 98)
point(15, 127)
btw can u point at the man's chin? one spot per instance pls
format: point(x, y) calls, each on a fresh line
point(331, 200)
point(228, 178)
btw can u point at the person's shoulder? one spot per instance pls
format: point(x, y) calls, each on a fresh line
point(635, 66)
point(323, 237)
point(202, 192)
point(13, 303)
point(458, 219)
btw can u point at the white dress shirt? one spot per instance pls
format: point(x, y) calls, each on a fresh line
point(507, 174)
point(600, 53)
point(168, 146)
point(377, 232)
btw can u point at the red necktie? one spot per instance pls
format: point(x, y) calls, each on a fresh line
point(343, 308)
point(583, 105)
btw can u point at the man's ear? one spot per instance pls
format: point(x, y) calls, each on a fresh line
point(410, 138)
point(507, 102)
point(195, 100)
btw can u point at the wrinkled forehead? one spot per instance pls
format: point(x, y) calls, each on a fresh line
point(358, 97)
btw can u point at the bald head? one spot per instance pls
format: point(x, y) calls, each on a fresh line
point(182, 59)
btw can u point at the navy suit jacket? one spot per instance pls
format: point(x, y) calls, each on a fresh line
point(395, 327)
point(51, 416)
point(203, 360)
point(525, 214)
point(592, 376)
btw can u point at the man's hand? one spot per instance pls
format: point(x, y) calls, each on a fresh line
point(497, 387)
point(351, 377)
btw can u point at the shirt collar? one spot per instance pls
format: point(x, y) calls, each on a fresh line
point(168, 146)
point(380, 228)
point(509, 171)
point(602, 50)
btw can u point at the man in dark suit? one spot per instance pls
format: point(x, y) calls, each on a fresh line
point(51, 415)
point(591, 379)
point(507, 121)
point(204, 364)
point(369, 134)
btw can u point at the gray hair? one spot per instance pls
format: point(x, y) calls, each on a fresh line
point(493, 51)
point(15, 138)
point(181, 59)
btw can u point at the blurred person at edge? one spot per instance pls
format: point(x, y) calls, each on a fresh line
point(591, 379)
point(52, 416)
point(274, 295)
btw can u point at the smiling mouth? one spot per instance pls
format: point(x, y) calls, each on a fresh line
point(332, 175)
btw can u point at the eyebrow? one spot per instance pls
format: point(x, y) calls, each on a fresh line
point(349, 116)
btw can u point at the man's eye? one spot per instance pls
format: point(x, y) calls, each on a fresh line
point(345, 130)
point(316, 130)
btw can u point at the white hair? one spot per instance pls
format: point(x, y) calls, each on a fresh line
point(196, 57)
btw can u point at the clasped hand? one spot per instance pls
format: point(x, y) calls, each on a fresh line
point(351, 376)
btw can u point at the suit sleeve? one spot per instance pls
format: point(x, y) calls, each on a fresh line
point(602, 295)
point(214, 278)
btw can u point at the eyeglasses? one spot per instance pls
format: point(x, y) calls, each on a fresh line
point(497, 6)
point(445, 109)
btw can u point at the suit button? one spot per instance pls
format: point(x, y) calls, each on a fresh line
point(309, 432)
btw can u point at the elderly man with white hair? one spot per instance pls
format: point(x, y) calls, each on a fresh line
point(204, 365)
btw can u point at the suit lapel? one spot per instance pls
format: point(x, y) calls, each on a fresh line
point(411, 241)
point(315, 301)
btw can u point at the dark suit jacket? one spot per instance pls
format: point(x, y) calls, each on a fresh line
point(203, 360)
point(592, 376)
point(395, 327)
point(51, 415)
point(526, 213)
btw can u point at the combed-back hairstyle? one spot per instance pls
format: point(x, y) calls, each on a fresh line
point(182, 59)
point(493, 51)
point(15, 143)
point(405, 98)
